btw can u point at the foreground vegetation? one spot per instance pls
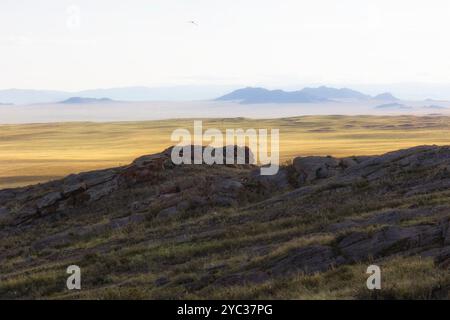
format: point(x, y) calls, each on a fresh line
point(152, 230)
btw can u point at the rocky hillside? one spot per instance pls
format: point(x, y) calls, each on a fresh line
point(154, 230)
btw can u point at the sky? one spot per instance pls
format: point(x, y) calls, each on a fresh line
point(85, 44)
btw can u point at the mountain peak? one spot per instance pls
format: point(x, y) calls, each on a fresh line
point(386, 96)
point(320, 94)
point(81, 100)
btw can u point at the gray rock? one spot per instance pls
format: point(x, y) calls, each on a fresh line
point(184, 205)
point(102, 190)
point(58, 239)
point(359, 246)
point(49, 200)
point(446, 233)
point(376, 167)
point(66, 237)
point(229, 185)
point(140, 206)
point(425, 188)
point(197, 201)
point(216, 267)
point(242, 278)
point(168, 213)
point(161, 281)
point(279, 181)
point(442, 260)
point(95, 178)
point(224, 201)
point(6, 195)
point(348, 162)
point(25, 195)
point(27, 211)
point(122, 222)
point(257, 276)
point(344, 225)
point(69, 190)
point(312, 168)
point(390, 217)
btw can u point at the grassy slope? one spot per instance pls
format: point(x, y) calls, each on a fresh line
point(40, 152)
point(199, 249)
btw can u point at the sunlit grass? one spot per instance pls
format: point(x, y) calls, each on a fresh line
point(40, 152)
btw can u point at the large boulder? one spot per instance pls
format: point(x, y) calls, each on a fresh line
point(313, 168)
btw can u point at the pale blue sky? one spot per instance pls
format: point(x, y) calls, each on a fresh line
point(247, 42)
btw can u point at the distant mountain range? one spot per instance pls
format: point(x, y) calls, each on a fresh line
point(435, 107)
point(400, 106)
point(175, 93)
point(247, 95)
point(80, 100)
point(321, 94)
point(386, 96)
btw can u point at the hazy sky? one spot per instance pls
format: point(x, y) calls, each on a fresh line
point(248, 42)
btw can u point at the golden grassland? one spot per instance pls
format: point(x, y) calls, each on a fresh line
point(32, 153)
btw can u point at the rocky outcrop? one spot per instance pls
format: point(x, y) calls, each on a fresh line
point(223, 225)
point(86, 188)
point(311, 169)
point(401, 161)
